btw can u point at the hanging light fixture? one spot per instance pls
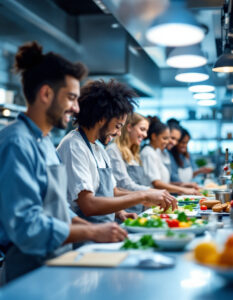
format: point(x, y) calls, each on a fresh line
point(186, 57)
point(230, 82)
point(192, 75)
point(225, 62)
point(204, 96)
point(201, 87)
point(175, 27)
point(205, 102)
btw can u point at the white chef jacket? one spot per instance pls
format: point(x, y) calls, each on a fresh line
point(153, 165)
point(80, 164)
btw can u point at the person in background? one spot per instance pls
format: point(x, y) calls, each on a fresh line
point(175, 135)
point(153, 159)
point(184, 167)
point(124, 154)
point(36, 222)
point(92, 190)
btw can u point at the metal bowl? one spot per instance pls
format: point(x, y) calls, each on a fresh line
point(223, 195)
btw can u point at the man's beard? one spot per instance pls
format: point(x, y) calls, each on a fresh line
point(103, 134)
point(54, 115)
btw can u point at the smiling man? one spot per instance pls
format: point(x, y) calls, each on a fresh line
point(92, 190)
point(35, 220)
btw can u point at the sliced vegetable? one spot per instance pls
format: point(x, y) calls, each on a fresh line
point(145, 242)
point(172, 223)
point(203, 207)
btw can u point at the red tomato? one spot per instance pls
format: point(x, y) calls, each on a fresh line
point(203, 207)
point(164, 216)
point(172, 223)
point(201, 200)
point(231, 203)
point(225, 168)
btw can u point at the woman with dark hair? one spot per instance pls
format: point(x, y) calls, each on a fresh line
point(153, 158)
point(184, 166)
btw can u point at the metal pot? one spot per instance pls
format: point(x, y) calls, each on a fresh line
point(223, 195)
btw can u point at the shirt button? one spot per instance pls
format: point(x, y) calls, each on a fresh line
point(38, 140)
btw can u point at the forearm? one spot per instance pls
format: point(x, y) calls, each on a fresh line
point(197, 172)
point(92, 206)
point(118, 192)
point(79, 233)
point(78, 220)
point(171, 188)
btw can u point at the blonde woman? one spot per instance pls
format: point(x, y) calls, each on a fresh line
point(125, 157)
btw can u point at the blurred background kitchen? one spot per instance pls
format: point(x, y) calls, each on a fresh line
point(165, 50)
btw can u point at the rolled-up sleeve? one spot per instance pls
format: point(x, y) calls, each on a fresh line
point(120, 172)
point(21, 204)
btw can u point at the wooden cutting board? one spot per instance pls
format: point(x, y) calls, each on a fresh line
point(91, 259)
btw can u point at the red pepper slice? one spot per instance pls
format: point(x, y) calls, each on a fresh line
point(172, 223)
point(164, 216)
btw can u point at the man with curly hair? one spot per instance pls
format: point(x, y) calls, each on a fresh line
point(92, 191)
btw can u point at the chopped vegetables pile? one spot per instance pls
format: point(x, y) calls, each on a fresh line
point(165, 221)
point(185, 208)
point(145, 242)
point(191, 199)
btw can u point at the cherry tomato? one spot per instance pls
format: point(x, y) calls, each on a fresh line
point(203, 207)
point(164, 216)
point(172, 223)
point(225, 168)
point(202, 200)
point(231, 203)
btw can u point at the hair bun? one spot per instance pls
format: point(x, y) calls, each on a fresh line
point(28, 56)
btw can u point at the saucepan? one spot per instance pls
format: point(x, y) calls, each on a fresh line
point(223, 195)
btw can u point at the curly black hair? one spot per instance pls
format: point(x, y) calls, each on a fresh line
point(37, 69)
point(101, 100)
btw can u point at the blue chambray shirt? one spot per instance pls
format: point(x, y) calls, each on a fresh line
point(24, 155)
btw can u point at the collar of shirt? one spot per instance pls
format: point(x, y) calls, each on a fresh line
point(35, 130)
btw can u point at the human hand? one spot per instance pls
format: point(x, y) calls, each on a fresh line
point(205, 170)
point(123, 215)
point(108, 233)
point(191, 185)
point(191, 191)
point(160, 198)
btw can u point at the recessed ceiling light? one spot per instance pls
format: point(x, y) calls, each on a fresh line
point(204, 96)
point(115, 25)
point(6, 113)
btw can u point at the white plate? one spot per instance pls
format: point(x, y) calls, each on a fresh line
point(211, 212)
point(188, 213)
point(195, 230)
point(172, 243)
point(190, 196)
